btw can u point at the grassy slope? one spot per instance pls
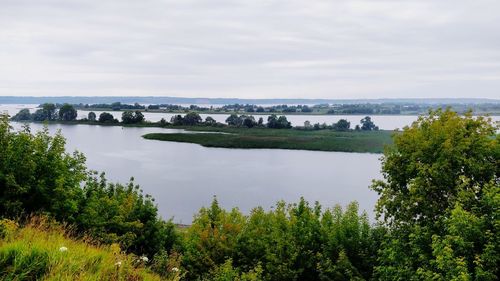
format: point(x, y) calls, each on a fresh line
point(33, 253)
point(323, 140)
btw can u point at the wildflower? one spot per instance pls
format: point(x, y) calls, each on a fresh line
point(144, 259)
point(175, 269)
point(118, 264)
point(63, 249)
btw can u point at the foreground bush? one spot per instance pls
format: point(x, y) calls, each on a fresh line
point(440, 200)
point(289, 242)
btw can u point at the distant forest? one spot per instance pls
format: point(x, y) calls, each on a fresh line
point(222, 101)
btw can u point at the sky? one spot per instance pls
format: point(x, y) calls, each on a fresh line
point(251, 48)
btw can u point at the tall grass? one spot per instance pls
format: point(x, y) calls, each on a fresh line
point(41, 250)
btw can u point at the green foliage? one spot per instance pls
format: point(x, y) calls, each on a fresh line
point(42, 250)
point(23, 115)
point(131, 117)
point(92, 116)
point(190, 119)
point(242, 121)
point(341, 125)
point(368, 125)
point(323, 140)
point(290, 242)
point(67, 112)
point(281, 122)
point(226, 272)
point(38, 176)
point(440, 200)
point(106, 117)
point(114, 213)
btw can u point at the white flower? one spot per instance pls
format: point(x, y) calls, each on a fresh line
point(118, 264)
point(175, 269)
point(63, 249)
point(144, 259)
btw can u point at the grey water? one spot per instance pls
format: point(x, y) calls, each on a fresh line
point(184, 177)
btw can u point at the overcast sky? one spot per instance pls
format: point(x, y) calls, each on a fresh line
point(251, 48)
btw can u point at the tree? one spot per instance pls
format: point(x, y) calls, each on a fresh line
point(139, 117)
point(47, 112)
point(128, 117)
point(248, 121)
point(177, 120)
point(49, 109)
point(275, 122)
point(367, 124)
point(23, 115)
point(342, 125)
point(192, 119)
point(131, 117)
point(210, 121)
point(438, 199)
point(234, 120)
point(306, 108)
point(92, 117)
point(67, 112)
point(107, 118)
point(37, 175)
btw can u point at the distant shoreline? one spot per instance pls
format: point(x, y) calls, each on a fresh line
point(222, 101)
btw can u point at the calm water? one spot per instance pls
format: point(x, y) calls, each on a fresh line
point(184, 177)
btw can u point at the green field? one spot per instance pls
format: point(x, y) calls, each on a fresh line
point(321, 140)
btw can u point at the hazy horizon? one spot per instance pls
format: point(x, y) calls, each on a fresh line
point(251, 50)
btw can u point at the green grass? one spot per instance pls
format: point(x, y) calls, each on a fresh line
point(322, 140)
point(33, 252)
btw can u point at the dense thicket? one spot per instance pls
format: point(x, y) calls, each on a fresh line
point(289, 242)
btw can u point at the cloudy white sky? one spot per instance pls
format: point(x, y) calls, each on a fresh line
point(251, 48)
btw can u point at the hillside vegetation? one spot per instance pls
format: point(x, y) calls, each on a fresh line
point(41, 250)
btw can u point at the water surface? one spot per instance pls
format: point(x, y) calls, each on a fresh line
point(183, 177)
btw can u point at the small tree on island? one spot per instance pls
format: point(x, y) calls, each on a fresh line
point(67, 112)
point(92, 116)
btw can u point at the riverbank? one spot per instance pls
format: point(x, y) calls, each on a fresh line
point(317, 140)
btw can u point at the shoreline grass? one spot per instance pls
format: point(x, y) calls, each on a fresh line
point(41, 250)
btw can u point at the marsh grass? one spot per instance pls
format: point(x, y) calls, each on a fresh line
point(321, 140)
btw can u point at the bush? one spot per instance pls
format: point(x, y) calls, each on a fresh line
point(38, 176)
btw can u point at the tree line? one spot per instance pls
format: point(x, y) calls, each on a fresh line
point(67, 112)
point(367, 108)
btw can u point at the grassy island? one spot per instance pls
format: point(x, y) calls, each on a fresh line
point(321, 140)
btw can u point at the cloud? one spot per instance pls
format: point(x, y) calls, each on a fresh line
point(251, 49)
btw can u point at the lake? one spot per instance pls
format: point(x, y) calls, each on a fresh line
point(184, 177)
